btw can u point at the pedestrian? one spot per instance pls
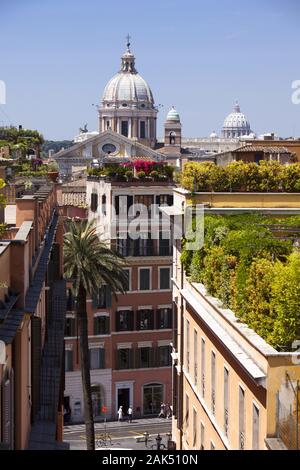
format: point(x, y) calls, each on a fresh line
point(120, 413)
point(162, 413)
point(169, 411)
point(129, 412)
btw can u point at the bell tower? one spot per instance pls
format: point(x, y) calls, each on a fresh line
point(172, 129)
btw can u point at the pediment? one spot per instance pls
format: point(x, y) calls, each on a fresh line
point(109, 143)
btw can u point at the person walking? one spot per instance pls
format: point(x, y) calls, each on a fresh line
point(129, 412)
point(162, 413)
point(169, 411)
point(120, 413)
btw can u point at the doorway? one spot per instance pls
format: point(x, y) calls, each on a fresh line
point(124, 398)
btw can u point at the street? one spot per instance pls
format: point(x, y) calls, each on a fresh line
point(122, 434)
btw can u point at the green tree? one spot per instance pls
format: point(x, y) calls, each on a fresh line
point(285, 304)
point(89, 264)
point(257, 310)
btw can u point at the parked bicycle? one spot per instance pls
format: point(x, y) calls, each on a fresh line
point(103, 440)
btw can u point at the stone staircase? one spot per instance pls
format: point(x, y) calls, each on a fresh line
point(43, 433)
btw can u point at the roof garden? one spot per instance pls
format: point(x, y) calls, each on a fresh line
point(251, 263)
point(238, 176)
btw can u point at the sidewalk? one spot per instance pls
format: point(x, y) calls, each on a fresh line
point(124, 423)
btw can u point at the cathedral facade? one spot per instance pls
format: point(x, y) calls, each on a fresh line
point(127, 118)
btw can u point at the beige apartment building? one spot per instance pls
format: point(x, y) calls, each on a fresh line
point(231, 390)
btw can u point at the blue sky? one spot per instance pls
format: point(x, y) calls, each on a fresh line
point(199, 55)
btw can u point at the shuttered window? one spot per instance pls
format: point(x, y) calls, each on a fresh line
point(124, 320)
point(145, 319)
point(101, 325)
point(164, 318)
point(97, 358)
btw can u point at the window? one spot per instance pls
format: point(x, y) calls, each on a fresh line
point(195, 357)
point(124, 359)
point(144, 245)
point(153, 397)
point(97, 358)
point(202, 436)
point(128, 275)
point(70, 326)
point(101, 325)
point(172, 136)
point(124, 320)
point(194, 427)
point(124, 128)
point(164, 318)
point(165, 248)
point(226, 400)
point(241, 418)
point(144, 279)
point(213, 383)
point(107, 125)
point(102, 298)
point(187, 345)
point(70, 301)
point(144, 357)
point(103, 204)
point(68, 360)
point(145, 319)
point(203, 367)
point(142, 129)
point(255, 428)
point(164, 200)
point(94, 202)
point(123, 204)
point(187, 413)
point(145, 199)
point(164, 356)
point(97, 399)
point(164, 278)
point(109, 148)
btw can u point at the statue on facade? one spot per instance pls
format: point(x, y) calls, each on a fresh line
point(83, 130)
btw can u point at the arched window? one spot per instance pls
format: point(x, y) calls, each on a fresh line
point(172, 136)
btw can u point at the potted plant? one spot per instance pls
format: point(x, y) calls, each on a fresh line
point(154, 175)
point(129, 175)
point(53, 171)
point(141, 175)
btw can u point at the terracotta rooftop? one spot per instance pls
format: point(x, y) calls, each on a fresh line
point(262, 148)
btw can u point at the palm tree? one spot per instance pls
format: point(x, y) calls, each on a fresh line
point(89, 263)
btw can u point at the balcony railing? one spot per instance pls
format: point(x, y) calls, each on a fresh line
point(196, 374)
point(242, 440)
point(213, 402)
point(226, 421)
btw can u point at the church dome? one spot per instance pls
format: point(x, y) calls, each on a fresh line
point(236, 124)
point(127, 87)
point(173, 115)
